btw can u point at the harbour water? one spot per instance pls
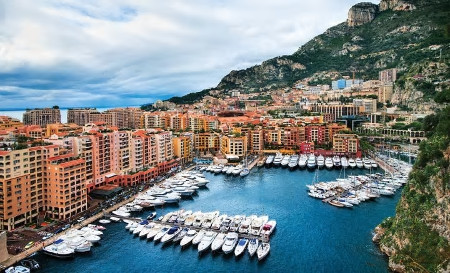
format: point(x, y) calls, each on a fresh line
point(310, 237)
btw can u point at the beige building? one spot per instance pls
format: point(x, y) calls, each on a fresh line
point(42, 116)
point(234, 145)
point(345, 143)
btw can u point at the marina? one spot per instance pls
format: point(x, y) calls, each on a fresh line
point(265, 191)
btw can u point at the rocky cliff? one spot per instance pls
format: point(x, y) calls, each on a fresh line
point(361, 13)
point(417, 238)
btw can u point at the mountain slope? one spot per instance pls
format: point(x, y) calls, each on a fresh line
point(394, 38)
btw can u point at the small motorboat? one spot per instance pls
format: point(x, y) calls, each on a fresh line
point(17, 269)
point(241, 246)
point(244, 172)
point(268, 228)
point(152, 232)
point(263, 251)
point(252, 246)
point(114, 219)
point(30, 263)
point(336, 203)
point(104, 221)
point(151, 216)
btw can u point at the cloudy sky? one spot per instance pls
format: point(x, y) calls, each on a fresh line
point(118, 53)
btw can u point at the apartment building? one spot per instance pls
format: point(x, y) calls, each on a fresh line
point(80, 116)
point(256, 140)
point(66, 193)
point(206, 142)
point(345, 144)
point(42, 116)
point(23, 184)
point(182, 148)
point(234, 145)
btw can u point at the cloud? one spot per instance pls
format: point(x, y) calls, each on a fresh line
point(82, 53)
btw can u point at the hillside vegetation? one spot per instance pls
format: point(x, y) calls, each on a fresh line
point(406, 40)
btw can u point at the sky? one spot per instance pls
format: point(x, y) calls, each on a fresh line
point(119, 53)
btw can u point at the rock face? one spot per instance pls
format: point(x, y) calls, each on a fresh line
point(417, 238)
point(361, 14)
point(396, 5)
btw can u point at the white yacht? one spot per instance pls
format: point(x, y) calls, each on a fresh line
point(256, 226)
point(198, 238)
point(285, 160)
point(374, 164)
point(293, 162)
point(336, 161)
point(237, 170)
point(152, 232)
point(268, 228)
point(206, 241)
point(171, 233)
point(344, 162)
point(252, 246)
point(230, 242)
point(218, 221)
point(59, 249)
point(245, 224)
point(161, 233)
point(244, 172)
point(218, 241)
point(302, 161)
point(263, 251)
point(320, 161)
point(329, 163)
point(236, 222)
point(241, 246)
point(225, 169)
point(367, 163)
point(187, 239)
point(311, 163)
point(359, 163)
point(277, 159)
point(269, 159)
point(198, 220)
point(352, 163)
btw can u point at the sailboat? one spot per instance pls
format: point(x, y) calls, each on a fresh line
point(246, 170)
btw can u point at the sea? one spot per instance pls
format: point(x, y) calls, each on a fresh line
point(310, 236)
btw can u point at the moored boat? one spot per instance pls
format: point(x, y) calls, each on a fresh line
point(263, 251)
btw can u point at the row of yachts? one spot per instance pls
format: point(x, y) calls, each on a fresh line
point(351, 191)
point(75, 241)
point(312, 161)
point(240, 170)
point(184, 184)
point(209, 230)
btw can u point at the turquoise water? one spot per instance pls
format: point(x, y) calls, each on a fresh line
point(310, 237)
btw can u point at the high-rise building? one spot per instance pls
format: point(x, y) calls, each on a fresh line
point(182, 148)
point(367, 105)
point(42, 116)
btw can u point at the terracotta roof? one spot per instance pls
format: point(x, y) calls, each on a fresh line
point(72, 163)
